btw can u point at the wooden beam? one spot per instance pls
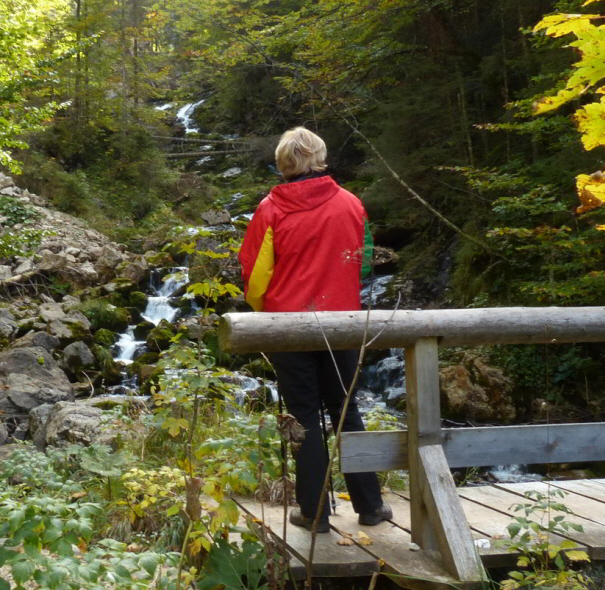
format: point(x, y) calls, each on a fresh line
point(424, 424)
point(447, 517)
point(271, 332)
point(197, 140)
point(208, 153)
point(479, 447)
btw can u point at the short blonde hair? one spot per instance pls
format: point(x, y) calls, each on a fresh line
point(300, 152)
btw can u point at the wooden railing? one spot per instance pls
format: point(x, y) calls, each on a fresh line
point(425, 449)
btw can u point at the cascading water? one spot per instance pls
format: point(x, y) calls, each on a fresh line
point(185, 113)
point(158, 306)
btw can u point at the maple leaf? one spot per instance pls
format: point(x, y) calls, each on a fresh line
point(591, 190)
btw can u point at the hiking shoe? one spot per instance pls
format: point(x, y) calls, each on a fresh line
point(297, 518)
point(383, 513)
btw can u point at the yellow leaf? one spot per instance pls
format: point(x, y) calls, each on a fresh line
point(591, 123)
point(577, 556)
point(591, 190)
point(560, 24)
point(344, 496)
point(363, 538)
point(590, 2)
point(601, 227)
point(551, 103)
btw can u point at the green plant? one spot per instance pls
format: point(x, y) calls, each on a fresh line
point(21, 243)
point(14, 211)
point(542, 562)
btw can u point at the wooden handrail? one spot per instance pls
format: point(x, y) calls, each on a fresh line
point(272, 332)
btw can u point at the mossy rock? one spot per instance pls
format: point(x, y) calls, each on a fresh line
point(102, 314)
point(117, 299)
point(159, 259)
point(133, 369)
point(160, 337)
point(141, 330)
point(79, 332)
point(124, 286)
point(148, 358)
point(136, 317)
point(138, 300)
point(210, 339)
point(110, 370)
point(105, 337)
point(259, 368)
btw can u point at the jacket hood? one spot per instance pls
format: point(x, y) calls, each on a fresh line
point(303, 195)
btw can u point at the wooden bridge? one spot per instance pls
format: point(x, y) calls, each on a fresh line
point(452, 529)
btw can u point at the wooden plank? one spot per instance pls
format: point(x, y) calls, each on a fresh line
point(584, 487)
point(424, 424)
point(503, 500)
point(486, 526)
point(447, 517)
point(331, 560)
point(479, 447)
point(418, 570)
point(581, 506)
point(271, 332)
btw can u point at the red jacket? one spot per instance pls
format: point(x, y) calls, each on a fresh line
point(306, 248)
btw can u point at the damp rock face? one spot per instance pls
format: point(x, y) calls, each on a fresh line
point(472, 390)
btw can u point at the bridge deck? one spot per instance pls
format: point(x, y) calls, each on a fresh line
point(387, 548)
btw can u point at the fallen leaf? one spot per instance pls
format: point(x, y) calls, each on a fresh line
point(363, 538)
point(345, 541)
point(344, 496)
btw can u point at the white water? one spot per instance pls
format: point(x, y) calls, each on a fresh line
point(186, 112)
point(377, 285)
point(127, 346)
point(513, 474)
point(165, 107)
point(158, 306)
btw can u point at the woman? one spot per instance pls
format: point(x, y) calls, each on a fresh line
point(306, 249)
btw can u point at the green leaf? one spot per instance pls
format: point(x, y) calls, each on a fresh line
point(149, 562)
point(513, 529)
point(174, 509)
point(4, 585)
point(22, 571)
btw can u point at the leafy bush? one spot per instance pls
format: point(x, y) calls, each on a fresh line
point(22, 243)
point(14, 211)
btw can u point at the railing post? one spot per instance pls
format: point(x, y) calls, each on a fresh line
point(438, 520)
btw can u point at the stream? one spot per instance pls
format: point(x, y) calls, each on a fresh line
point(381, 385)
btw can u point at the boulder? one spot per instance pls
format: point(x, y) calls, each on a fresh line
point(50, 312)
point(159, 338)
point(5, 272)
point(76, 356)
point(138, 300)
point(52, 262)
point(30, 377)
point(105, 337)
point(25, 267)
point(74, 422)
point(8, 329)
point(38, 418)
point(41, 339)
point(216, 217)
point(6, 181)
point(3, 433)
point(107, 263)
point(472, 390)
point(136, 269)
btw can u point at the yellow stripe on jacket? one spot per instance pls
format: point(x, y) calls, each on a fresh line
point(261, 273)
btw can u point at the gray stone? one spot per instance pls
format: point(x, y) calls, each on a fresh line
point(3, 433)
point(72, 251)
point(50, 312)
point(216, 216)
point(73, 422)
point(8, 328)
point(5, 272)
point(136, 269)
point(76, 356)
point(30, 377)
point(10, 191)
point(40, 339)
point(38, 418)
point(52, 262)
point(6, 181)
point(107, 263)
point(25, 267)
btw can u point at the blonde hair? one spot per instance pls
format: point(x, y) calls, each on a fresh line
point(299, 152)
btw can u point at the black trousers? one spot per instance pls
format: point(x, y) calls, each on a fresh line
point(306, 380)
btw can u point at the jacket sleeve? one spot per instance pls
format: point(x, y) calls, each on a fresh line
point(368, 248)
point(257, 259)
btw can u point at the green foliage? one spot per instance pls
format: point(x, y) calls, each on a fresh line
point(103, 314)
point(14, 211)
point(530, 533)
point(21, 243)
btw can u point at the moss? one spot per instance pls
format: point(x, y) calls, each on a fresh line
point(148, 358)
point(79, 332)
point(105, 337)
point(158, 259)
point(108, 367)
point(138, 300)
point(117, 299)
point(159, 338)
point(141, 330)
point(102, 314)
point(134, 369)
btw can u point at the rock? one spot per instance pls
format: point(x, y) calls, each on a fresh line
point(6, 181)
point(71, 251)
point(147, 371)
point(74, 422)
point(159, 338)
point(30, 377)
point(50, 312)
point(105, 337)
point(24, 267)
point(8, 328)
point(76, 356)
point(70, 302)
point(110, 370)
point(3, 433)
point(193, 329)
point(40, 339)
point(216, 217)
point(107, 263)
point(148, 358)
point(5, 272)
point(475, 391)
point(102, 314)
point(38, 418)
point(138, 300)
point(52, 262)
point(136, 269)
